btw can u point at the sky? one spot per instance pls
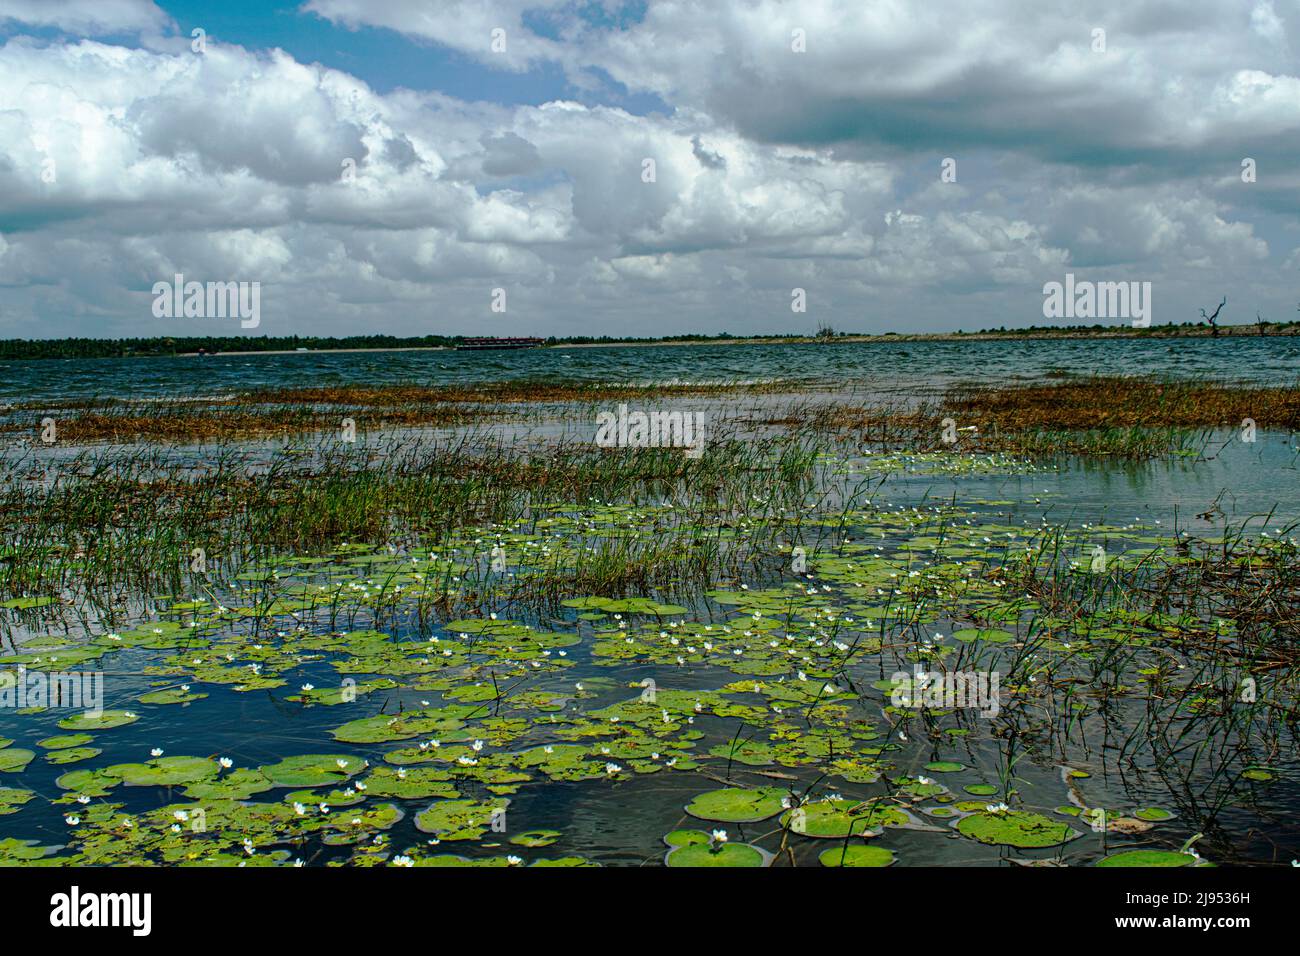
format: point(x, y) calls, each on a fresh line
point(652, 167)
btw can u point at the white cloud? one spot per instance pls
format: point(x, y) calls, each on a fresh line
point(94, 17)
point(362, 210)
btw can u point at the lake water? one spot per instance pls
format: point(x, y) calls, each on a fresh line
point(622, 818)
point(887, 366)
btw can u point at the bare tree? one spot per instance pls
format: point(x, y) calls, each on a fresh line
point(1214, 319)
point(1259, 321)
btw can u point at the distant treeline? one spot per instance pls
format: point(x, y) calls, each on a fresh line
point(181, 345)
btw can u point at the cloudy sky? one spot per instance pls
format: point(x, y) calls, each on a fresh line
point(384, 165)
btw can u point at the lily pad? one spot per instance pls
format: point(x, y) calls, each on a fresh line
point(313, 770)
point(857, 854)
point(15, 759)
point(1148, 858)
point(1016, 828)
point(726, 854)
point(105, 721)
point(737, 804)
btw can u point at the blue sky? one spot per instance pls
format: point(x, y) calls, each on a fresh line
point(386, 59)
point(387, 167)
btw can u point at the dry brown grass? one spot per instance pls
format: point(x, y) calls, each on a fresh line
point(269, 413)
point(1112, 402)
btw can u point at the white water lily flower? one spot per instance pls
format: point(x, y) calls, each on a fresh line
point(718, 836)
point(300, 809)
point(226, 762)
point(513, 860)
point(156, 752)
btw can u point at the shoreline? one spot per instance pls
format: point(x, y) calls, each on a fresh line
point(1245, 331)
point(1287, 330)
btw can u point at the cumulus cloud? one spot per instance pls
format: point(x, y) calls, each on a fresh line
point(401, 210)
point(95, 17)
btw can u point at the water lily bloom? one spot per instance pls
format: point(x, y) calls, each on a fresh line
point(613, 768)
point(513, 860)
point(718, 836)
point(72, 820)
point(299, 809)
point(226, 763)
point(156, 752)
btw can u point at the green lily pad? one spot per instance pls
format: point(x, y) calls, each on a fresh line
point(457, 819)
point(686, 838)
point(1153, 814)
point(164, 771)
point(174, 695)
point(841, 818)
point(536, 838)
point(11, 799)
point(15, 760)
point(1148, 858)
point(1016, 828)
point(726, 854)
point(737, 805)
point(313, 770)
point(105, 721)
point(857, 854)
point(71, 755)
